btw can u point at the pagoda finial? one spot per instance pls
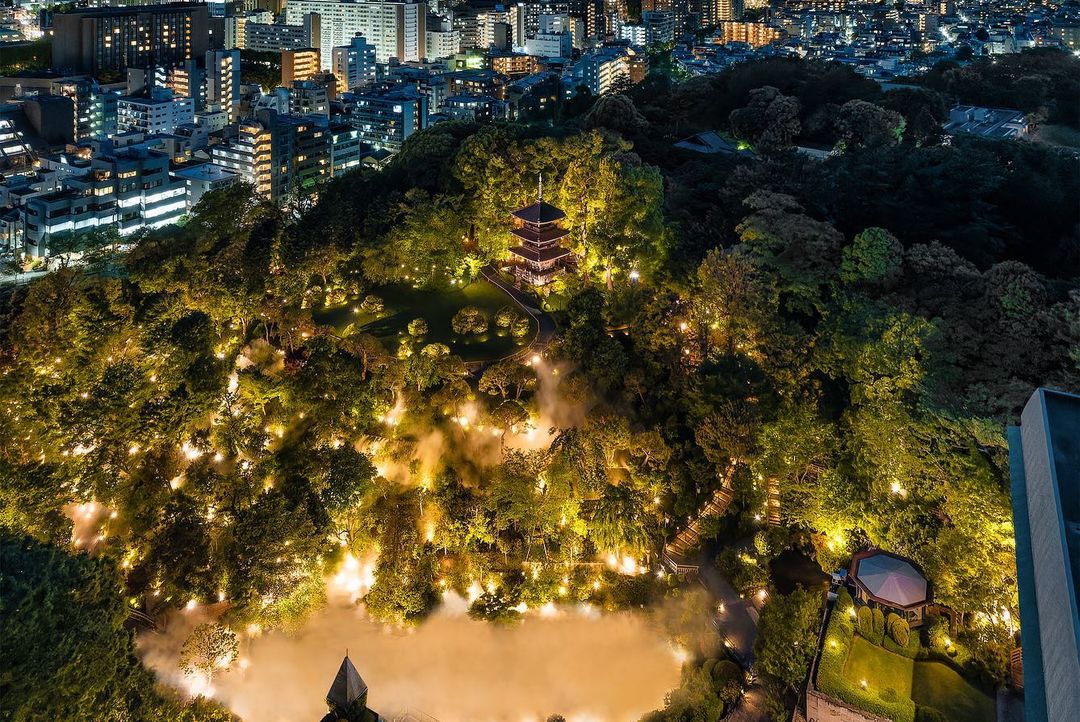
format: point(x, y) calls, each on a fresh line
point(540, 188)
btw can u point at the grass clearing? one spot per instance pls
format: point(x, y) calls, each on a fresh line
point(881, 669)
point(936, 684)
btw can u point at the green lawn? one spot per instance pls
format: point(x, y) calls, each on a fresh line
point(938, 685)
point(881, 669)
point(403, 303)
point(928, 684)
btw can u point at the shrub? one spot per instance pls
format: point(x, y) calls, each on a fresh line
point(728, 681)
point(506, 317)
point(866, 622)
point(372, 304)
point(889, 695)
point(899, 630)
point(521, 327)
point(879, 626)
point(929, 714)
point(469, 319)
point(418, 327)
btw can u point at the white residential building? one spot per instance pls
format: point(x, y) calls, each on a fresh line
point(159, 113)
point(397, 30)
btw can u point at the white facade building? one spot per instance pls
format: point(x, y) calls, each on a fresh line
point(160, 113)
point(397, 30)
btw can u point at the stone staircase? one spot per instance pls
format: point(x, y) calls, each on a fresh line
point(676, 552)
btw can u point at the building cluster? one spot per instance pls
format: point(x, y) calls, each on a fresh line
point(877, 40)
point(287, 94)
point(146, 107)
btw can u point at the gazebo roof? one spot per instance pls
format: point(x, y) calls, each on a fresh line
point(539, 212)
point(889, 579)
point(348, 686)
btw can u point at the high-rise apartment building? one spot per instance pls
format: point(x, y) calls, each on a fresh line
point(223, 80)
point(354, 64)
point(1044, 463)
point(249, 155)
point(396, 29)
point(296, 65)
point(275, 37)
point(95, 39)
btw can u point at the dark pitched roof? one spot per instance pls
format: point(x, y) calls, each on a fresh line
point(539, 212)
point(347, 687)
point(541, 255)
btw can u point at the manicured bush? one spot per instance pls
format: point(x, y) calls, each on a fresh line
point(899, 629)
point(469, 319)
point(372, 304)
point(418, 327)
point(889, 695)
point(520, 328)
point(912, 649)
point(879, 626)
point(866, 622)
point(505, 317)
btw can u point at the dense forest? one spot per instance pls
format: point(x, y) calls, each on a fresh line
point(856, 331)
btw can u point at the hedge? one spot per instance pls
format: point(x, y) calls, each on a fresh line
point(831, 679)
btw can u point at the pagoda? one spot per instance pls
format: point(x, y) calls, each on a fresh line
point(537, 230)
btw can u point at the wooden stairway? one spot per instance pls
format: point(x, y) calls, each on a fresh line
point(773, 502)
point(675, 552)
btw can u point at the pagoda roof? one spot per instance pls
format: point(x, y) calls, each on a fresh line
point(546, 235)
point(539, 212)
point(539, 255)
point(348, 686)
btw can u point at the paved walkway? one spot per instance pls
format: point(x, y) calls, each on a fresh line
point(737, 624)
point(546, 326)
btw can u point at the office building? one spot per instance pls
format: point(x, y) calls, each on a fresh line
point(659, 27)
point(96, 39)
point(354, 64)
point(1044, 461)
point(442, 39)
point(397, 30)
point(234, 28)
point(717, 11)
point(308, 97)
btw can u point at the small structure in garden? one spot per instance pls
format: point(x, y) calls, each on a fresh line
point(347, 698)
point(537, 230)
point(890, 581)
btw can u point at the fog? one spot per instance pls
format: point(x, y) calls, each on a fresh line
point(576, 662)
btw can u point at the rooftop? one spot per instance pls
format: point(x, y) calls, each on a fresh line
point(889, 579)
point(539, 212)
point(206, 172)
